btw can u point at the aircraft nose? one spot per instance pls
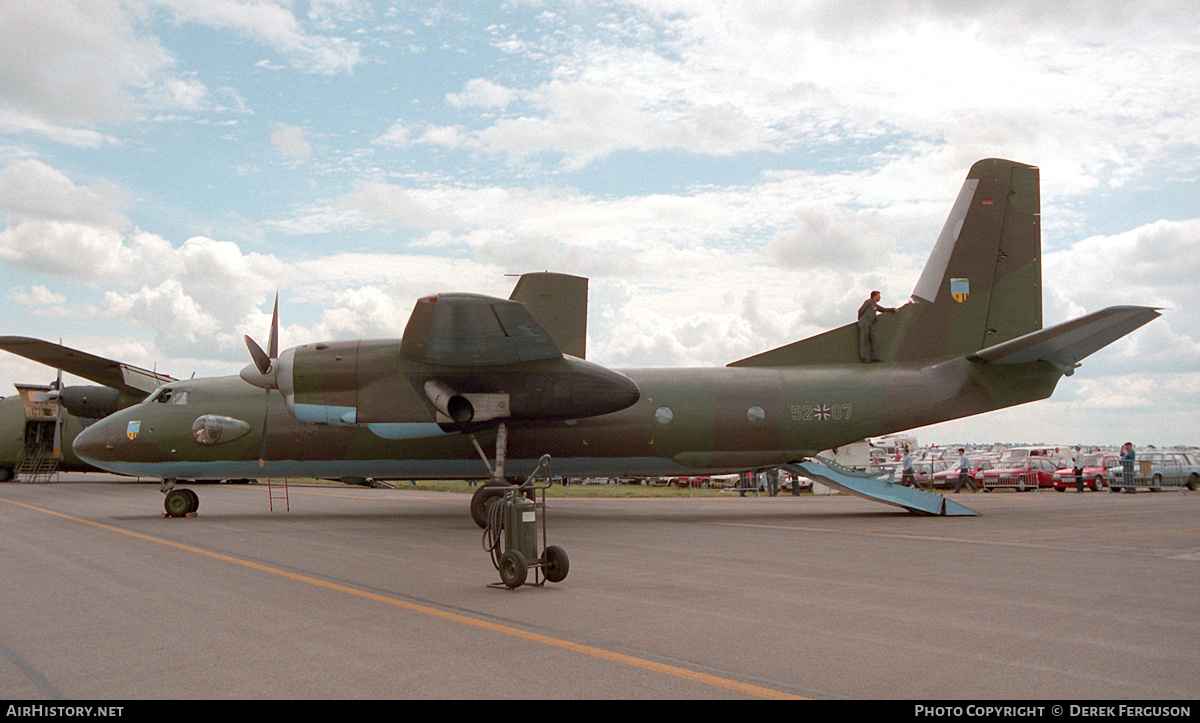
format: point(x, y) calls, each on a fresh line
point(97, 443)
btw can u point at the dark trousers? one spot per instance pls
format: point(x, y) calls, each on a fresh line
point(868, 342)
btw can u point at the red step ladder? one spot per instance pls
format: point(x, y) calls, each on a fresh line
point(278, 490)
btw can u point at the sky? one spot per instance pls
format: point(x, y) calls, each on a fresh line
point(730, 176)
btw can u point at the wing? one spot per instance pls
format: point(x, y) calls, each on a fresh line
point(125, 378)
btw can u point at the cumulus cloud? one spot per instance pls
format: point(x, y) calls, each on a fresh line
point(74, 62)
point(69, 66)
point(274, 24)
point(481, 92)
point(32, 190)
point(290, 141)
point(999, 79)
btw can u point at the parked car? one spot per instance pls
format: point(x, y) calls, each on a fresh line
point(949, 477)
point(1157, 470)
point(1014, 455)
point(1094, 468)
point(692, 482)
point(923, 472)
point(1028, 473)
point(787, 480)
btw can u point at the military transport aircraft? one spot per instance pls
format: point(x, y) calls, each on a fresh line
point(38, 425)
point(472, 372)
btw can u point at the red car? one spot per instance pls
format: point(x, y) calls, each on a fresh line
point(1028, 473)
point(1093, 472)
point(949, 477)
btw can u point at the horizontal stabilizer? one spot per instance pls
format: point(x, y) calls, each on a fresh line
point(1067, 343)
point(124, 378)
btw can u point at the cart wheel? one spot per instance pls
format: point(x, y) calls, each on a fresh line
point(557, 564)
point(513, 569)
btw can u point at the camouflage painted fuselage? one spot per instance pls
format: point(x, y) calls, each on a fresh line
point(693, 421)
point(970, 341)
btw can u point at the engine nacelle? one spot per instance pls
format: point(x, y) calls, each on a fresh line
point(89, 402)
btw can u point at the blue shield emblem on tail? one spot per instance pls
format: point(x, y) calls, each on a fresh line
point(960, 289)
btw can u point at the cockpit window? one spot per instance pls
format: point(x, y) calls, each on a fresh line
point(168, 395)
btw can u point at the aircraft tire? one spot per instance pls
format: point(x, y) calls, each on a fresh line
point(557, 564)
point(481, 500)
point(178, 502)
point(513, 569)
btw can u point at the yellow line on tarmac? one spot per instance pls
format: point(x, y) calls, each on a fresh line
point(630, 660)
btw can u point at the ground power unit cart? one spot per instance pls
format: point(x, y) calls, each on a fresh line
point(515, 523)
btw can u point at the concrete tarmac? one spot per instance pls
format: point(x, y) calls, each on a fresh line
point(360, 594)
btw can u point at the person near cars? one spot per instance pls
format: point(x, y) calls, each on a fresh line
point(1128, 456)
point(964, 472)
point(1077, 461)
point(868, 338)
point(906, 464)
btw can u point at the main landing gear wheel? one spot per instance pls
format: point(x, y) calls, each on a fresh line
point(181, 502)
point(485, 496)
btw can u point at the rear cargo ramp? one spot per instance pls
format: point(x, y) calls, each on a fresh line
point(872, 487)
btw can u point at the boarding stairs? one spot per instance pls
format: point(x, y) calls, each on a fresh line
point(873, 487)
point(37, 462)
point(38, 468)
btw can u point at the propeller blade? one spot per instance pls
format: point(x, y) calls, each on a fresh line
point(273, 343)
point(261, 361)
point(264, 361)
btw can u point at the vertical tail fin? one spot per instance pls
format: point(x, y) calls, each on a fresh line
point(559, 303)
point(981, 285)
